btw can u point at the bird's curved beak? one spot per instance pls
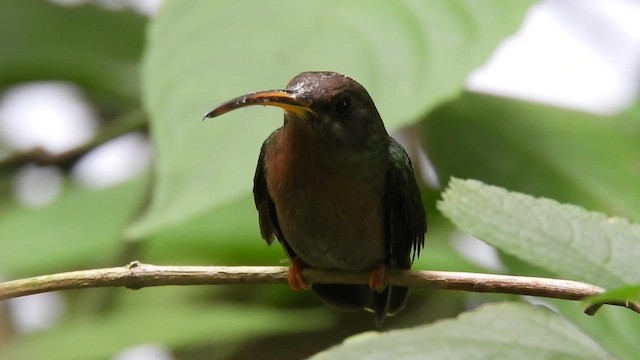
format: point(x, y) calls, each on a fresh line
point(285, 99)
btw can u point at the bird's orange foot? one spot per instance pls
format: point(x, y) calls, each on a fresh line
point(295, 278)
point(376, 279)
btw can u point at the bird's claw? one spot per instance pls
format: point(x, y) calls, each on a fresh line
point(295, 278)
point(376, 279)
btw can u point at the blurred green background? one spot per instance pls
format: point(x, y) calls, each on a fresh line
point(185, 199)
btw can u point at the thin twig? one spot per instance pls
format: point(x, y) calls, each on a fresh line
point(137, 275)
point(123, 124)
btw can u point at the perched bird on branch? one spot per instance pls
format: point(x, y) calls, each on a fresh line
point(336, 190)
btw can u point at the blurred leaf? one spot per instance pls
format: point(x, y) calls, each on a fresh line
point(409, 54)
point(439, 254)
point(162, 318)
point(499, 331)
point(227, 235)
point(94, 47)
point(616, 329)
point(564, 239)
point(68, 233)
point(584, 159)
point(625, 293)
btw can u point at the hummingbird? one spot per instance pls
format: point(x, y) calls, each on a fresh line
point(336, 190)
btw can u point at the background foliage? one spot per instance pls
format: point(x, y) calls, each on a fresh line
point(195, 206)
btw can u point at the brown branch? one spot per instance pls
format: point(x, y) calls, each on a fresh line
point(123, 124)
point(136, 275)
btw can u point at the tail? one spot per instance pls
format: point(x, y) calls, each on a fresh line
point(361, 297)
point(389, 303)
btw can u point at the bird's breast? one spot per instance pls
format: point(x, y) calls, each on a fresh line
point(330, 220)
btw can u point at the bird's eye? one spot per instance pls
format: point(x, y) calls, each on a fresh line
point(342, 105)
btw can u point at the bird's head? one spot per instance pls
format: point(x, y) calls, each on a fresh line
point(329, 105)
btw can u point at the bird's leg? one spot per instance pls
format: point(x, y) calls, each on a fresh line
point(295, 278)
point(376, 279)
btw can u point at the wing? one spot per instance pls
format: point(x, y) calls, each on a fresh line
point(406, 220)
point(266, 209)
point(405, 227)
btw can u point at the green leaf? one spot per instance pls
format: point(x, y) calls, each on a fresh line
point(570, 156)
point(409, 54)
point(41, 40)
point(160, 319)
point(68, 233)
point(497, 331)
point(625, 293)
point(221, 236)
point(615, 328)
point(565, 239)
point(439, 253)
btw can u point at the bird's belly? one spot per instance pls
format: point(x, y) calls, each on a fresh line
point(334, 232)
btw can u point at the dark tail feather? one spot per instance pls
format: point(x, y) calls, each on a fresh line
point(361, 297)
point(344, 297)
point(389, 303)
point(397, 299)
point(380, 306)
